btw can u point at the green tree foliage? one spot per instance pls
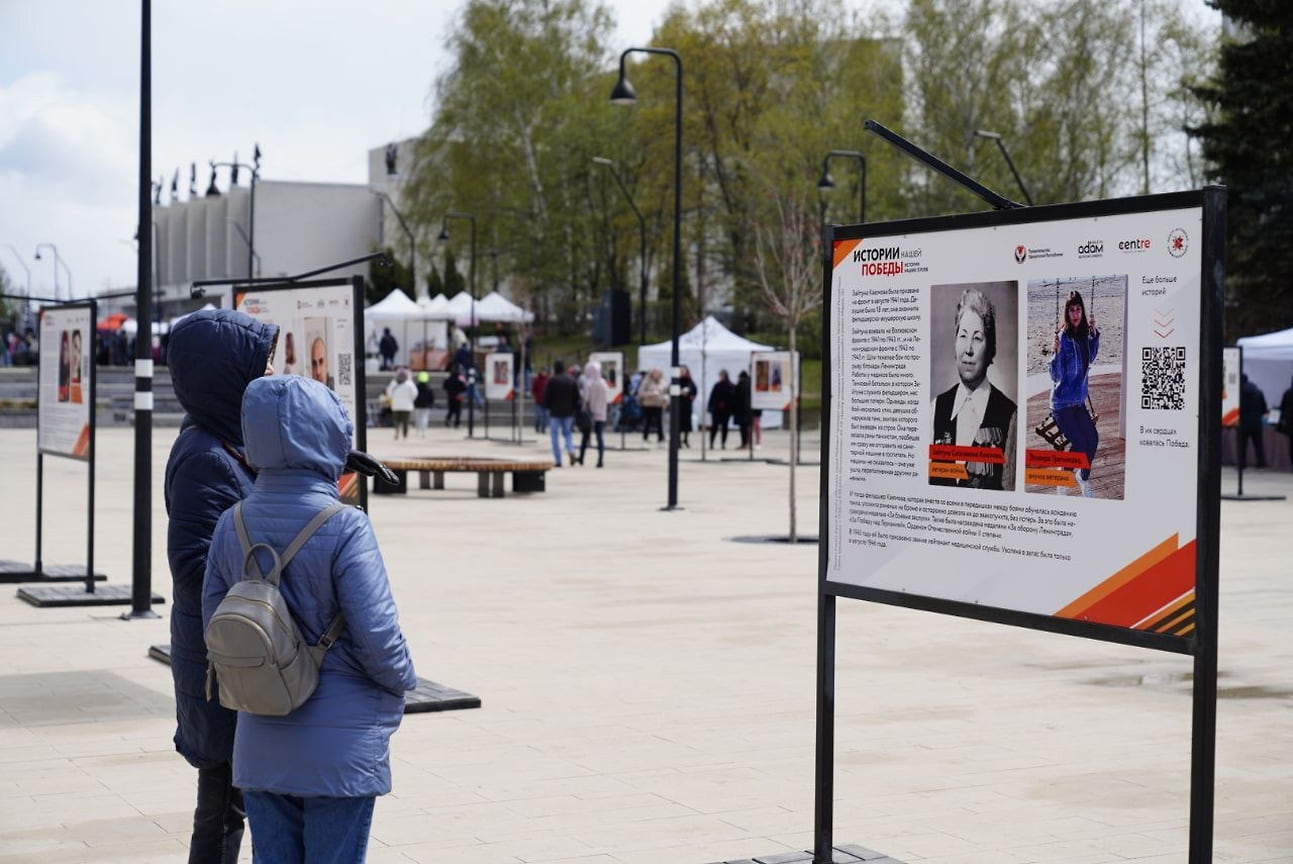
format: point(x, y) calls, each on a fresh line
point(1084, 94)
point(435, 282)
point(383, 279)
point(1248, 146)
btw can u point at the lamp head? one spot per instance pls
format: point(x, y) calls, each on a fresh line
point(601, 160)
point(443, 237)
point(37, 253)
point(983, 133)
point(826, 181)
point(623, 94)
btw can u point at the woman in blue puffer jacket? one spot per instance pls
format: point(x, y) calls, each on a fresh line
point(310, 778)
point(1077, 342)
point(212, 356)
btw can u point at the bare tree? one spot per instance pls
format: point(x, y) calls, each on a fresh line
point(788, 266)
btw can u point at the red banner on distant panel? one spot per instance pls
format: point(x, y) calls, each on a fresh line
point(1055, 459)
point(952, 453)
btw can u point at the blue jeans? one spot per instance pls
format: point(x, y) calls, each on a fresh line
point(286, 829)
point(540, 418)
point(558, 426)
point(1075, 423)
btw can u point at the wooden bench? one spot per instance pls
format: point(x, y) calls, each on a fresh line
point(527, 475)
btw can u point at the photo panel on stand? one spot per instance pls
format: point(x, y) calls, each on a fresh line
point(1076, 366)
point(974, 381)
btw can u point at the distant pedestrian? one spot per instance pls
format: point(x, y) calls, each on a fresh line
point(403, 393)
point(1286, 418)
point(653, 395)
point(214, 355)
point(1252, 417)
point(311, 777)
point(562, 399)
point(537, 388)
point(455, 385)
point(688, 391)
point(424, 402)
point(741, 407)
point(722, 396)
point(595, 397)
point(388, 347)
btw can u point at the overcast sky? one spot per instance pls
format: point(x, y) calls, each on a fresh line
point(317, 84)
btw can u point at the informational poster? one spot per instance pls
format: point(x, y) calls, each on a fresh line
point(64, 398)
point(1231, 368)
point(774, 380)
point(318, 323)
point(498, 376)
point(612, 363)
point(1014, 414)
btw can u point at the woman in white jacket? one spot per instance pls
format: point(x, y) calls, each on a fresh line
point(402, 392)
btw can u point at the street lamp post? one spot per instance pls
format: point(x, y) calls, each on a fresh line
point(18, 256)
point(642, 274)
point(471, 339)
point(58, 261)
point(254, 168)
point(828, 182)
point(1001, 145)
point(413, 252)
point(623, 94)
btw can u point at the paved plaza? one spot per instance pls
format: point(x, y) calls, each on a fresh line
point(648, 685)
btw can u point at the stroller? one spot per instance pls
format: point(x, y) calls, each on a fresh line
point(629, 417)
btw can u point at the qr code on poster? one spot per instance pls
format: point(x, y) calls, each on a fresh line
point(1162, 373)
point(345, 363)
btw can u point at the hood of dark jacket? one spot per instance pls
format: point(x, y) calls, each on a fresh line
point(213, 355)
point(294, 423)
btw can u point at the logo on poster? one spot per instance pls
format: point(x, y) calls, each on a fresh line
point(1140, 244)
point(1021, 254)
point(1178, 242)
point(1091, 249)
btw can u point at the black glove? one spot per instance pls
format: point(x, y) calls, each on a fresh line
point(358, 460)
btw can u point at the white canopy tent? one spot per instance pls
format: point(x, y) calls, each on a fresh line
point(707, 349)
point(495, 307)
point(1268, 363)
point(410, 322)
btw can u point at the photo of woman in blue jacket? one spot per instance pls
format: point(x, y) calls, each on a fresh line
point(310, 778)
point(213, 355)
point(1077, 342)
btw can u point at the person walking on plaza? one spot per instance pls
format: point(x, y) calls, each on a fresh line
point(1252, 416)
point(311, 777)
point(594, 396)
point(537, 386)
point(721, 398)
point(561, 398)
point(454, 387)
point(741, 407)
point(653, 395)
point(403, 393)
point(424, 402)
point(213, 356)
point(387, 348)
point(1285, 426)
point(688, 391)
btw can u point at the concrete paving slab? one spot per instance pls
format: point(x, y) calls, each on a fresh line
point(647, 687)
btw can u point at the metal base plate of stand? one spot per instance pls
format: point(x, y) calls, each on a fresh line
point(839, 855)
point(1254, 497)
point(427, 696)
point(16, 571)
point(68, 594)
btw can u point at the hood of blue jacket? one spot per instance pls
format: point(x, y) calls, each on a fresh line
point(213, 355)
point(290, 422)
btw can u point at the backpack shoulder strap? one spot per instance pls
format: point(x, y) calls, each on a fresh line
point(309, 530)
point(279, 561)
